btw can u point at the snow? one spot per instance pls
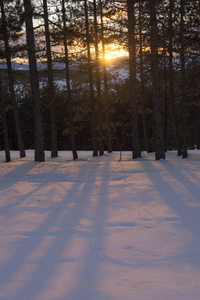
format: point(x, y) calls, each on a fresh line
point(40, 65)
point(100, 229)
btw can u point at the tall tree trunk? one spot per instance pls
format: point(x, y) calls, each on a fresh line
point(136, 151)
point(165, 102)
point(171, 81)
point(38, 123)
point(54, 143)
point(98, 79)
point(69, 92)
point(159, 141)
point(146, 141)
point(4, 122)
point(183, 81)
point(107, 99)
point(11, 84)
point(91, 83)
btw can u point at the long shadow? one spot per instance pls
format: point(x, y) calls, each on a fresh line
point(177, 173)
point(87, 193)
point(87, 287)
point(188, 216)
point(15, 171)
point(21, 174)
point(44, 270)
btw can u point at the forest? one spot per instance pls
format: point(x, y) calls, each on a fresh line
point(155, 108)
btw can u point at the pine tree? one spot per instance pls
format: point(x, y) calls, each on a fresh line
point(54, 143)
point(159, 141)
point(69, 92)
point(183, 79)
point(98, 80)
point(136, 152)
point(38, 122)
point(142, 77)
point(91, 84)
point(4, 122)
point(106, 92)
point(11, 80)
point(171, 79)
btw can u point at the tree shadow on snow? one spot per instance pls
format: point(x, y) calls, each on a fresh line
point(188, 216)
point(40, 264)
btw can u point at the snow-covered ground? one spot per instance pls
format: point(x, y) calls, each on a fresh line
point(25, 66)
point(100, 229)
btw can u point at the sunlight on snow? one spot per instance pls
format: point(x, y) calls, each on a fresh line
point(97, 228)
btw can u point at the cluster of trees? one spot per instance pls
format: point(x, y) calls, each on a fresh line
point(155, 109)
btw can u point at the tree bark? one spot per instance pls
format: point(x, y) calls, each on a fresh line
point(107, 104)
point(165, 101)
point(54, 143)
point(98, 80)
point(4, 122)
point(38, 122)
point(146, 141)
point(136, 151)
point(183, 81)
point(91, 83)
point(69, 92)
point(159, 141)
point(11, 84)
point(171, 82)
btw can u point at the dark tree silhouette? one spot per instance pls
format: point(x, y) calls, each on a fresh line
point(38, 123)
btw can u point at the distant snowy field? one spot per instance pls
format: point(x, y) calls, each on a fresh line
point(118, 72)
point(100, 229)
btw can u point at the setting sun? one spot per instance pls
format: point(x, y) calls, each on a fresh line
point(114, 52)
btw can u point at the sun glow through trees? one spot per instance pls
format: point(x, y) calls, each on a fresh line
point(114, 54)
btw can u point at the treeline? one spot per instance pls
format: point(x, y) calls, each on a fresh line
point(156, 108)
